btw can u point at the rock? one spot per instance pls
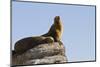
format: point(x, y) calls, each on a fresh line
point(42, 54)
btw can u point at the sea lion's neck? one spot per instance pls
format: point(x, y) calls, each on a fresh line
point(58, 25)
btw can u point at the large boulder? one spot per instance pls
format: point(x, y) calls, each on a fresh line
point(48, 53)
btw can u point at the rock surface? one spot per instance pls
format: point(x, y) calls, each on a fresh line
point(42, 54)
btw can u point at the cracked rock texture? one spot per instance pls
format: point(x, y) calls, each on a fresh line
point(48, 53)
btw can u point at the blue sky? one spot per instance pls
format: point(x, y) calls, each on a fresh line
point(34, 19)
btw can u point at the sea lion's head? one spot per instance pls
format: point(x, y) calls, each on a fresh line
point(57, 19)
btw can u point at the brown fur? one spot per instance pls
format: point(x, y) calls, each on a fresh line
point(56, 29)
point(27, 43)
